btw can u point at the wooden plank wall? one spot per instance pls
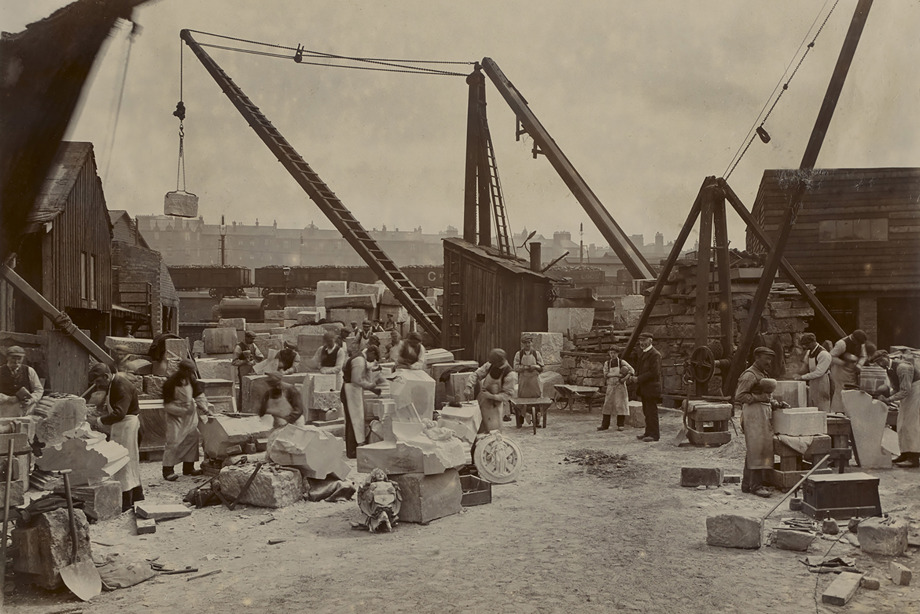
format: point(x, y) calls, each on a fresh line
point(850, 194)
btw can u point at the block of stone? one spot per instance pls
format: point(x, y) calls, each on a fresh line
point(900, 574)
point(348, 314)
point(223, 405)
point(732, 531)
point(415, 387)
point(101, 501)
point(215, 387)
point(323, 382)
point(223, 433)
point(216, 368)
point(886, 536)
point(413, 455)
point(267, 345)
point(842, 589)
point(790, 539)
point(153, 385)
point(463, 421)
point(61, 414)
point(307, 344)
point(636, 417)
point(378, 408)
point(792, 392)
point(234, 323)
point(327, 288)
point(272, 487)
point(367, 302)
point(549, 345)
point(429, 497)
point(800, 421)
point(316, 453)
point(290, 313)
point(870, 584)
point(219, 340)
point(356, 287)
point(387, 298)
point(145, 526)
point(161, 511)
point(260, 328)
point(700, 476)
point(458, 383)
point(438, 369)
point(177, 347)
point(308, 316)
point(868, 417)
point(435, 356)
point(570, 320)
point(274, 315)
point(139, 347)
point(90, 459)
point(45, 547)
point(326, 400)
point(548, 381)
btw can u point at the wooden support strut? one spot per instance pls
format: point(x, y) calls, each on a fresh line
point(57, 317)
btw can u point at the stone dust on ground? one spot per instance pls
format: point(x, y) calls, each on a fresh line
point(597, 522)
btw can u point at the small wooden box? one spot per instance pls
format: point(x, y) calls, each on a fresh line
point(476, 491)
point(841, 496)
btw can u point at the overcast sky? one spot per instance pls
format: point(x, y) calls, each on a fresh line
point(645, 98)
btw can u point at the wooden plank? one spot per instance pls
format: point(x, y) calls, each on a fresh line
point(842, 589)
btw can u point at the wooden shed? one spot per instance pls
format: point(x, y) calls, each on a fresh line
point(66, 252)
point(857, 239)
point(489, 300)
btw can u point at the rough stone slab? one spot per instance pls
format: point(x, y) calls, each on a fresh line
point(326, 400)
point(60, 415)
point(842, 589)
point(789, 539)
point(367, 302)
point(260, 327)
point(415, 387)
point(309, 316)
point(153, 385)
point(290, 313)
point(429, 497)
point(899, 574)
point(876, 536)
point(867, 419)
point(267, 345)
point(464, 421)
point(570, 320)
point(731, 531)
point(145, 526)
point(45, 547)
point(436, 356)
point(138, 347)
point(221, 433)
point(216, 368)
point(177, 348)
point(317, 454)
point(792, 392)
point(101, 501)
point(216, 387)
point(379, 408)
point(800, 421)
point(271, 487)
point(161, 511)
point(323, 382)
point(548, 344)
point(548, 381)
point(90, 460)
point(274, 315)
point(348, 314)
point(219, 340)
point(700, 476)
point(417, 455)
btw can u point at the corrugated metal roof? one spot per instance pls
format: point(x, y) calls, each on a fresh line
point(61, 177)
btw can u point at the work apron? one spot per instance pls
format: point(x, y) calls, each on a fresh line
point(840, 376)
point(279, 409)
point(491, 409)
point(354, 402)
point(181, 429)
point(124, 432)
point(909, 421)
point(757, 424)
point(529, 381)
point(616, 401)
point(819, 392)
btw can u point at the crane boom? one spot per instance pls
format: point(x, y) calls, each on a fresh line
point(386, 270)
point(631, 258)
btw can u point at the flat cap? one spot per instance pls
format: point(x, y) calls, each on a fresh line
point(15, 350)
point(764, 350)
point(646, 336)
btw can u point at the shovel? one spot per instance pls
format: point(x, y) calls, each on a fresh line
point(81, 578)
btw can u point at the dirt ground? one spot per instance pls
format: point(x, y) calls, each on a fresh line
point(564, 538)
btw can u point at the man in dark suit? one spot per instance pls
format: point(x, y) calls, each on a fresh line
point(648, 377)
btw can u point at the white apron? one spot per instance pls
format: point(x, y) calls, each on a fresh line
point(909, 420)
point(840, 377)
point(181, 428)
point(529, 381)
point(616, 401)
point(757, 424)
point(124, 432)
point(354, 399)
point(819, 392)
point(491, 410)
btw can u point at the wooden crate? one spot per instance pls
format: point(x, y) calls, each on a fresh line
point(841, 496)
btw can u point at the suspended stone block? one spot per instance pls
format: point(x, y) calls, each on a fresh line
point(219, 340)
point(89, 460)
point(463, 421)
point(272, 487)
point(731, 531)
point(429, 497)
point(61, 414)
point(223, 433)
point(316, 453)
point(868, 417)
point(45, 547)
point(180, 204)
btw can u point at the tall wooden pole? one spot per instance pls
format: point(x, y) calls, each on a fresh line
point(477, 82)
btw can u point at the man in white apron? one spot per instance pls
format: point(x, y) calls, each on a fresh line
point(847, 357)
point(908, 396)
point(115, 398)
point(756, 422)
point(282, 402)
point(361, 373)
point(183, 399)
point(616, 400)
point(528, 364)
point(818, 363)
point(499, 383)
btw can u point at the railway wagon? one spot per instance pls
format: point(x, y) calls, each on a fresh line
point(225, 279)
point(278, 278)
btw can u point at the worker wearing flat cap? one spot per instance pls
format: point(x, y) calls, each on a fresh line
point(754, 398)
point(20, 388)
point(817, 375)
point(183, 400)
point(115, 412)
point(847, 358)
point(281, 401)
point(648, 379)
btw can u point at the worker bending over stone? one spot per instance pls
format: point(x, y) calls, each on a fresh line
point(331, 356)
point(498, 384)
point(114, 399)
point(847, 358)
point(409, 353)
point(288, 358)
point(183, 400)
point(907, 395)
point(818, 364)
point(20, 388)
point(281, 401)
point(361, 373)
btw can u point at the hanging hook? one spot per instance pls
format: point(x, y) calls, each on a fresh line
point(180, 111)
point(298, 55)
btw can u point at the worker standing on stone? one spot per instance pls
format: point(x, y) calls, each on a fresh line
point(498, 385)
point(648, 378)
point(908, 398)
point(246, 355)
point(616, 399)
point(288, 358)
point(20, 387)
point(331, 357)
point(408, 353)
point(281, 401)
point(754, 402)
point(847, 357)
point(183, 400)
point(117, 415)
point(361, 373)
point(818, 364)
